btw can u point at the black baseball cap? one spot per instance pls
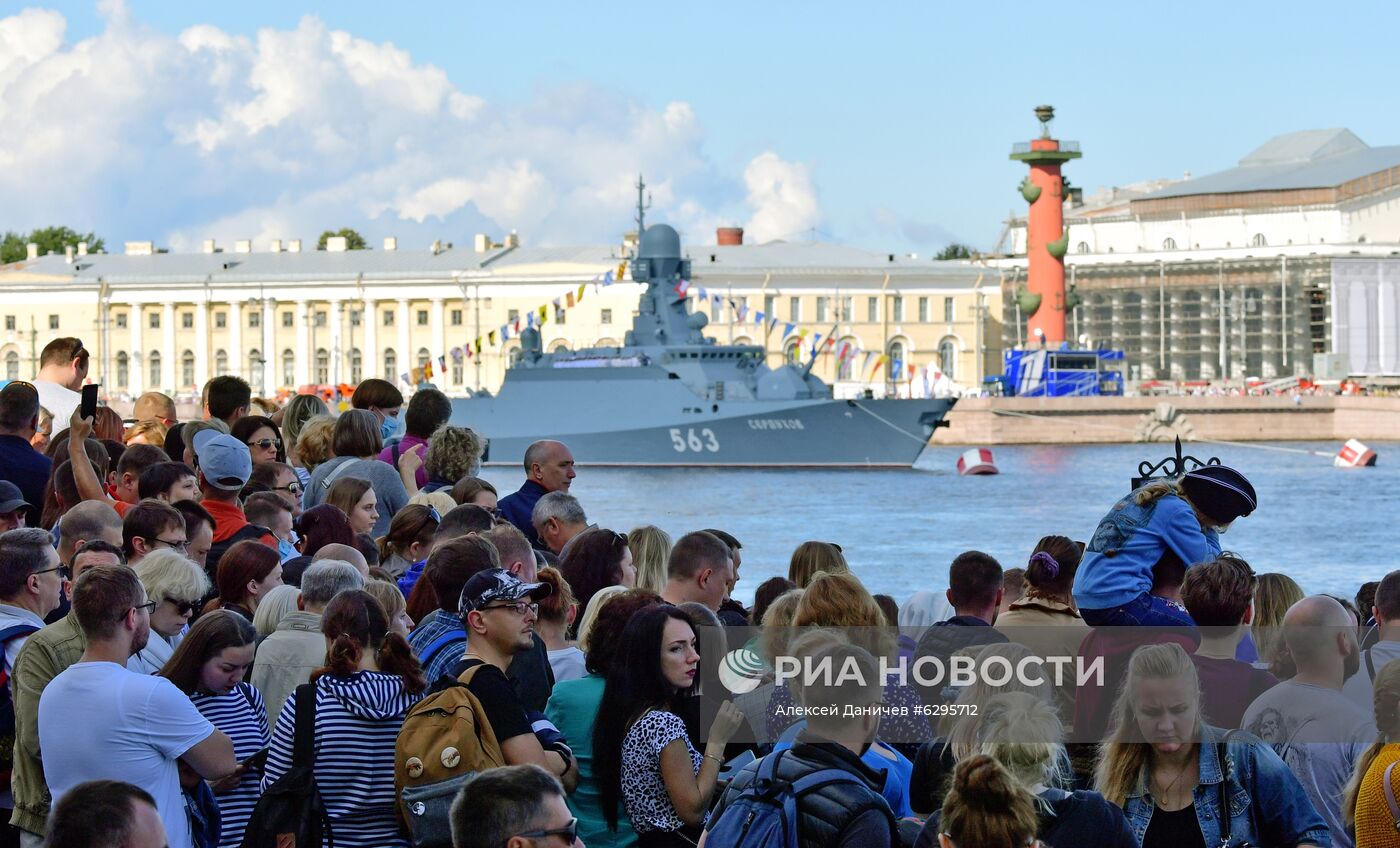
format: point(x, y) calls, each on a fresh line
point(497, 584)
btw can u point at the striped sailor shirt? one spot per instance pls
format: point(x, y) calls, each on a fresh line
point(240, 714)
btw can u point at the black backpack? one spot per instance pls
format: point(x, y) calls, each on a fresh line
point(218, 549)
point(290, 813)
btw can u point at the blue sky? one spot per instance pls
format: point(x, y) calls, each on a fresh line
point(889, 126)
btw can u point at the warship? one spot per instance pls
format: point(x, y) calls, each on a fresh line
point(670, 396)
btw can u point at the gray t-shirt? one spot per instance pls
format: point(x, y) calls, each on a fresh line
point(1321, 734)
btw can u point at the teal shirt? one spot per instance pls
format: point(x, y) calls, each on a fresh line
point(572, 708)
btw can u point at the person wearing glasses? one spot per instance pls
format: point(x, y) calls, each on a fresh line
point(281, 478)
point(63, 368)
point(145, 726)
point(31, 586)
point(262, 437)
point(178, 586)
point(150, 526)
point(526, 809)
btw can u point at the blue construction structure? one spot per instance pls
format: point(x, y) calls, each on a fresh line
point(1061, 373)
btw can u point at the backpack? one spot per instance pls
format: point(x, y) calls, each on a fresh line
point(433, 648)
point(290, 813)
point(445, 739)
point(7, 704)
point(765, 813)
point(218, 549)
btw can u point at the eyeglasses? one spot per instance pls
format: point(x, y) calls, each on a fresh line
point(266, 443)
point(568, 833)
point(183, 607)
point(294, 487)
point(180, 545)
point(61, 569)
point(149, 606)
point(520, 608)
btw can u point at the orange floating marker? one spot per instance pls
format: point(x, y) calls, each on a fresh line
point(1355, 455)
point(977, 461)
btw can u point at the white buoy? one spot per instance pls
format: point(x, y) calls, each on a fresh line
point(1355, 455)
point(977, 461)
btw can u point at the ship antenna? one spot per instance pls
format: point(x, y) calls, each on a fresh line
point(643, 204)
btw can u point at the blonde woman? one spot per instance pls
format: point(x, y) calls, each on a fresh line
point(1364, 802)
point(651, 548)
point(773, 637)
point(274, 606)
point(313, 445)
point(146, 433)
point(453, 453)
point(1170, 772)
point(1274, 594)
point(178, 586)
point(811, 557)
point(1168, 522)
point(292, 419)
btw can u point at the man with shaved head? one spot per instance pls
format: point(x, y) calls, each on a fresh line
point(1318, 731)
point(549, 467)
point(343, 553)
point(154, 406)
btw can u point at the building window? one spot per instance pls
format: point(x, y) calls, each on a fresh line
point(559, 314)
point(391, 366)
point(1259, 241)
point(923, 310)
point(897, 308)
point(289, 368)
point(357, 365)
point(770, 305)
point(1082, 247)
point(948, 310)
point(187, 369)
point(53, 322)
point(948, 358)
point(123, 369)
point(872, 310)
point(512, 315)
point(605, 316)
point(456, 317)
point(823, 304)
point(422, 317)
point(1169, 244)
point(794, 309)
point(254, 318)
point(792, 351)
point(10, 322)
point(154, 321)
point(255, 367)
point(356, 317)
point(388, 318)
point(220, 320)
point(321, 318)
point(121, 321)
point(894, 361)
point(12, 366)
point(848, 309)
point(457, 376)
point(220, 363)
point(187, 320)
point(153, 362)
point(323, 367)
point(287, 320)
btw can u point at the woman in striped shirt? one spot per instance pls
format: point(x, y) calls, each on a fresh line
point(370, 681)
point(209, 666)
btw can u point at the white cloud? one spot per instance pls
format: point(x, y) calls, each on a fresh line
point(206, 134)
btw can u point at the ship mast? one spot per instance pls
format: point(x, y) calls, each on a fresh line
point(643, 204)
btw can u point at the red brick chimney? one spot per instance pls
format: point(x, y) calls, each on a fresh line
point(729, 236)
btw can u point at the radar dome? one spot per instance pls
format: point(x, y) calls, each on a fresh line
point(697, 321)
point(659, 241)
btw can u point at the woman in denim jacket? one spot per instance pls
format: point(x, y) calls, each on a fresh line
point(1176, 521)
point(1164, 768)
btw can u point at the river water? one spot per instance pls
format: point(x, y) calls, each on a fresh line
point(1330, 529)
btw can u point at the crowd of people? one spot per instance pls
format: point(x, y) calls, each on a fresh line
point(199, 620)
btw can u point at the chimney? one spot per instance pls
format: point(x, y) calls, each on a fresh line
point(68, 253)
point(31, 251)
point(513, 240)
point(82, 248)
point(482, 242)
point(243, 246)
point(276, 246)
point(294, 246)
point(139, 248)
point(337, 244)
point(209, 246)
point(729, 236)
point(391, 243)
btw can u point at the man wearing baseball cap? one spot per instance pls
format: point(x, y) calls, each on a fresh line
point(13, 507)
point(499, 611)
point(222, 467)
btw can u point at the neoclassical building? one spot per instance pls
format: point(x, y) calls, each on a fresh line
point(284, 318)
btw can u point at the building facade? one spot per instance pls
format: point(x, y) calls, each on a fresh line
point(285, 319)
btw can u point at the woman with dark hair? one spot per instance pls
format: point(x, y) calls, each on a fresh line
point(317, 527)
point(1045, 619)
point(357, 500)
point(209, 666)
point(246, 572)
point(573, 708)
point(639, 733)
point(409, 539)
point(474, 490)
point(262, 437)
point(384, 400)
point(596, 559)
point(360, 698)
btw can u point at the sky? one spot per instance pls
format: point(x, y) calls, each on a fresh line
point(885, 127)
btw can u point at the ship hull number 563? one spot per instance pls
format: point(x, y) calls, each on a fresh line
point(695, 441)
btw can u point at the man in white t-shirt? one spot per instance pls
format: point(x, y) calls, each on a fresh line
point(63, 367)
point(97, 720)
point(1317, 730)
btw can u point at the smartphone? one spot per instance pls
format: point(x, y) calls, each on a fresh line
point(89, 404)
point(257, 760)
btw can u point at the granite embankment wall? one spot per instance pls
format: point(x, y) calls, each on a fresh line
point(1008, 421)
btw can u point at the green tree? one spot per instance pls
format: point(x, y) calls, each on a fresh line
point(14, 246)
point(353, 240)
point(955, 251)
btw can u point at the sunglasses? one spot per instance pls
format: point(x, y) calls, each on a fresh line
point(294, 487)
point(568, 833)
point(266, 443)
point(183, 607)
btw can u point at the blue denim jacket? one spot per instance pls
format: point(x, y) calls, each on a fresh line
point(1117, 564)
point(1268, 806)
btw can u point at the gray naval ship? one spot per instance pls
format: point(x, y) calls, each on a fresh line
point(671, 396)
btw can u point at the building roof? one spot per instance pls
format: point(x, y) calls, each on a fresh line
point(1298, 160)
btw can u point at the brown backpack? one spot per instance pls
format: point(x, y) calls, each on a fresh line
point(445, 739)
